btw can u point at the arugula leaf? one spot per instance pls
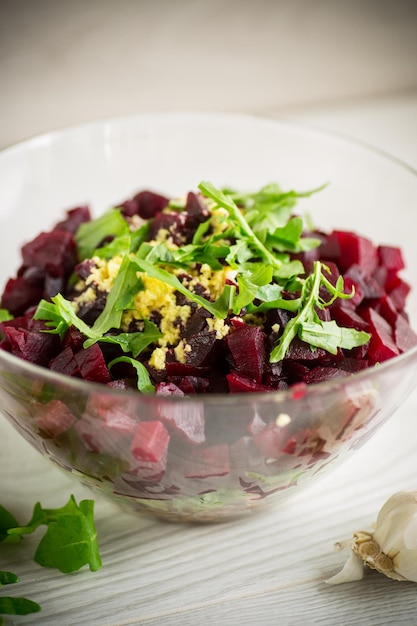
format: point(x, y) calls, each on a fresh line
point(70, 541)
point(90, 234)
point(125, 286)
point(330, 336)
point(7, 578)
point(308, 325)
point(17, 606)
point(144, 382)
point(7, 520)
point(119, 246)
point(5, 315)
point(239, 220)
point(135, 342)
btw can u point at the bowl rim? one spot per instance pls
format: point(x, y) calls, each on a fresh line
point(279, 396)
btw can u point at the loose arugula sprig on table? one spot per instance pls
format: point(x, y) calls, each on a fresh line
point(70, 542)
point(258, 241)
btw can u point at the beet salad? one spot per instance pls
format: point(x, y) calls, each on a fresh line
point(216, 292)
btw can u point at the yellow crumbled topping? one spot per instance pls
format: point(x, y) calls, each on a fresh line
point(212, 280)
point(164, 236)
point(104, 272)
point(160, 297)
point(85, 297)
point(219, 326)
point(157, 359)
point(219, 220)
point(181, 350)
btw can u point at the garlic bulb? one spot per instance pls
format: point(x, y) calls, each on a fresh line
point(391, 548)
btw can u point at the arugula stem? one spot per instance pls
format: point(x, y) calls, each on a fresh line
point(291, 329)
point(231, 207)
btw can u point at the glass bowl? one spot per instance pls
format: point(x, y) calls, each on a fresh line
point(210, 457)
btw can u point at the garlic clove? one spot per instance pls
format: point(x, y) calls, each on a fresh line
point(391, 548)
point(352, 570)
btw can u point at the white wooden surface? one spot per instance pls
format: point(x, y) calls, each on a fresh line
point(269, 568)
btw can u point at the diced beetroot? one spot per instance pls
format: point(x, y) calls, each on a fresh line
point(321, 373)
point(247, 345)
point(405, 337)
point(149, 203)
point(74, 218)
point(53, 252)
point(20, 294)
point(364, 283)
point(203, 349)
point(185, 369)
point(148, 471)
point(270, 441)
point(172, 222)
point(212, 461)
point(381, 345)
point(65, 363)
point(301, 351)
point(348, 317)
point(73, 339)
point(185, 419)
point(391, 257)
point(150, 441)
point(386, 308)
point(30, 345)
point(53, 418)
point(193, 384)
point(398, 293)
point(92, 364)
point(356, 250)
point(241, 384)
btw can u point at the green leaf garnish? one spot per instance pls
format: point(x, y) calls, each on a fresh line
point(17, 606)
point(143, 380)
point(70, 541)
point(90, 234)
point(307, 324)
point(5, 315)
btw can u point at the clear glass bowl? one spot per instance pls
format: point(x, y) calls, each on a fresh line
point(213, 457)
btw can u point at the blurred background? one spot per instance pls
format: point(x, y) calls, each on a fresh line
point(64, 62)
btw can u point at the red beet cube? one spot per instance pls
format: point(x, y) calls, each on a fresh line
point(20, 294)
point(92, 364)
point(53, 252)
point(391, 258)
point(356, 250)
point(241, 384)
point(381, 345)
point(53, 418)
point(247, 346)
point(187, 419)
point(405, 337)
point(150, 441)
